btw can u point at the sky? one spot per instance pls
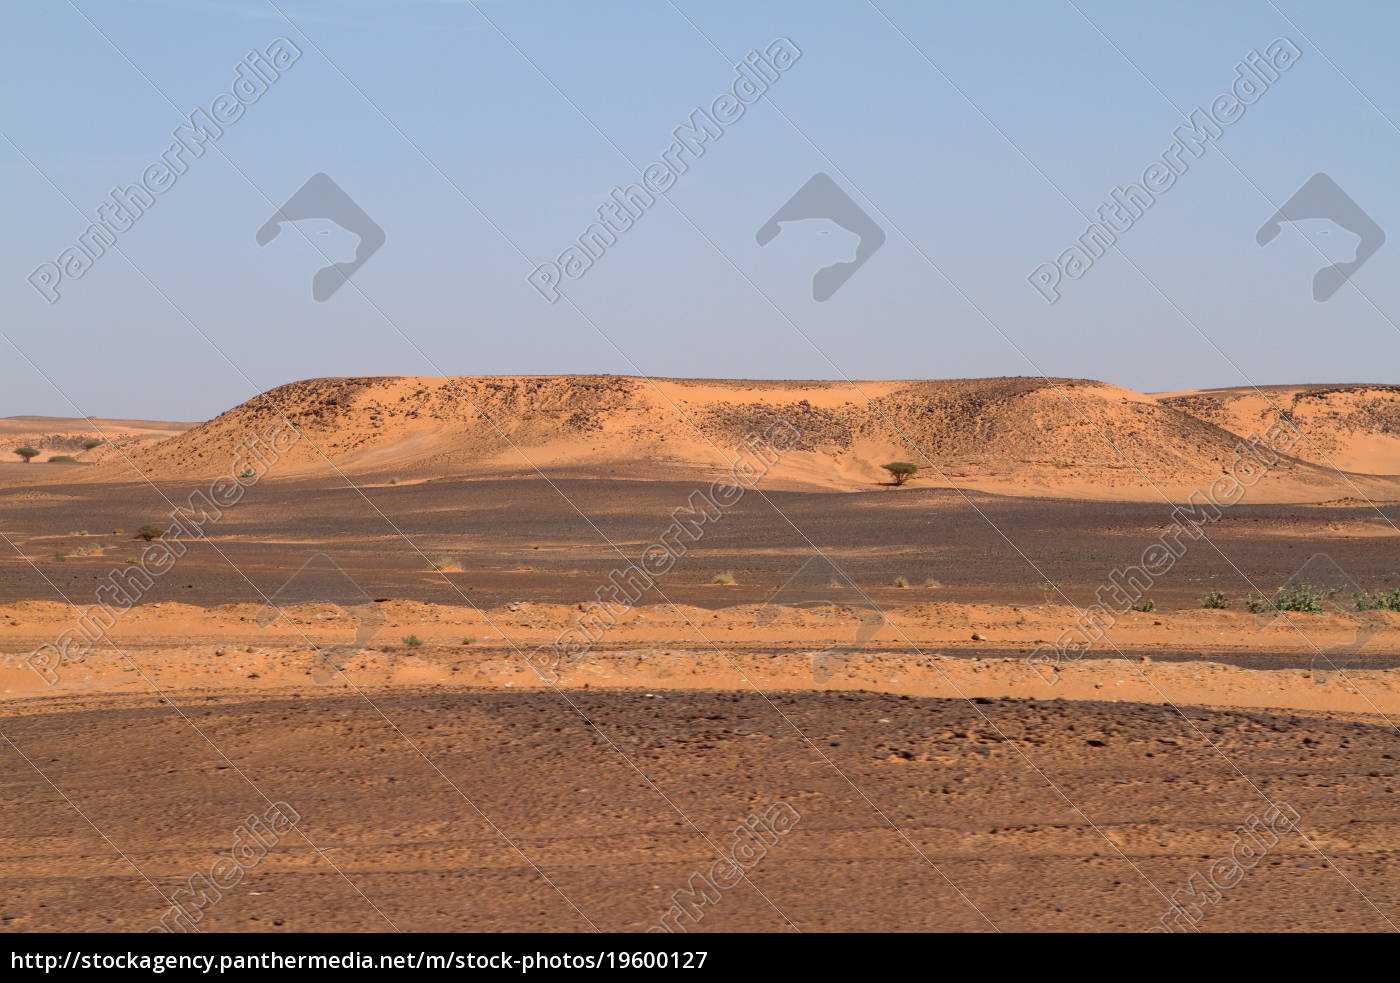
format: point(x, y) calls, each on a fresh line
point(482, 138)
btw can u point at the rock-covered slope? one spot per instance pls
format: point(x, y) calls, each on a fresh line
point(1071, 437)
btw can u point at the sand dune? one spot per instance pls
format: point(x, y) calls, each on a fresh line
point(1065, 437)
point(1352, 427)
point(65, 436)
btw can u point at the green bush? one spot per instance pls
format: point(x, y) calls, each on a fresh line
point(1216, 600)
point(412, 641)
point(1378, 600)
point(27, 452)
point(62, 459)
point(92, 442)
point(1300, 597)
point(149, 532)
point(1146, 607)
point(901, 471)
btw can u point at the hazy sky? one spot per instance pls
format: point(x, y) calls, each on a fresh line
point(483, 138)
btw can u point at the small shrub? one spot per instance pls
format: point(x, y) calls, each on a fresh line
point(412, 641)
point(901, 471)
point(132, 560)
point(247, 472)
point(393, 481)
point(1300, 597)
point(1378, 600)
point(62, 459)
point(92, 442)
point(469, 640)
point(27, 452)
point(149, 532)
point(60, 557)
point(1146, 607)
point(445, 564)
point(1215, 600)
point(931, 583)
point(901, 581)
point(724, 579)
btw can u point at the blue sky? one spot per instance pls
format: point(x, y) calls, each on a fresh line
point(482, 139)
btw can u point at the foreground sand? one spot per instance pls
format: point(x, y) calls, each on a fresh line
point(444, 787)
point(454, 809)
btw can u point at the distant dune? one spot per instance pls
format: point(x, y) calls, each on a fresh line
point(1351, 427)
point(64, 436)
point(1071, 438)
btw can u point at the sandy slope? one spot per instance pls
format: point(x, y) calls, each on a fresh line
point(1352, 427)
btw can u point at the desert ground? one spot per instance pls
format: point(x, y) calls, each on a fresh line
point(395, 631)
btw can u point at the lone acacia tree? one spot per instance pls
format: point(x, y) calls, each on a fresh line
point(27, 453)
point(901, 471)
